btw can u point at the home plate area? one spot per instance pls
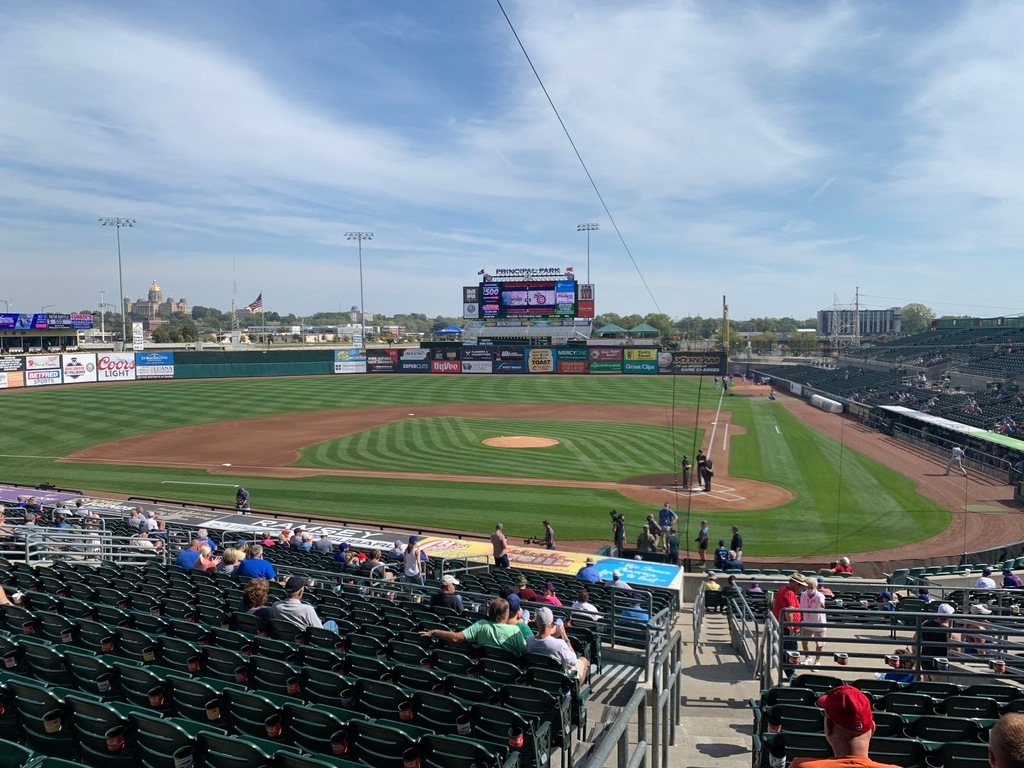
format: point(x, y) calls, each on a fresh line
point(721, 492)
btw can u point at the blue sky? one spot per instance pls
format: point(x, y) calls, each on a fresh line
point(776, 153)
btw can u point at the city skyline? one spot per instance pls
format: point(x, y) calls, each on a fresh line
point(775, 154)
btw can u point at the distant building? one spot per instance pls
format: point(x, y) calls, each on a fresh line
point(156, 306)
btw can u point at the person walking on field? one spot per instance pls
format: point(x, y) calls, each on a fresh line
point(702, 540)
point(956, 456)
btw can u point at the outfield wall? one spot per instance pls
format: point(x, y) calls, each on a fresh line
point(102, 367)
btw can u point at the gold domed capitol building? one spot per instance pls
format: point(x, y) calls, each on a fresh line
point(155, 306)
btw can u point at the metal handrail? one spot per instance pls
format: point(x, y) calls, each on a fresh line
point(616, 737)
point(666, 697)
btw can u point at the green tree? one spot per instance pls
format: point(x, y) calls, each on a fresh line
point(660, 321)
point(161, 335)
point(188, 332)
point(916, 318)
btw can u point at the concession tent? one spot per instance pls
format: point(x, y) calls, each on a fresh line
point(610, 330)
point(450, 330)
point(644, 330)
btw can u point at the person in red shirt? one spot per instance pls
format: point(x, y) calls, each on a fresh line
point(525, 593)
point(788, 597)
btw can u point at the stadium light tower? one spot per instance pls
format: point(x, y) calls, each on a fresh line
point(113, 221)
point(360, 236)
point(588, 228)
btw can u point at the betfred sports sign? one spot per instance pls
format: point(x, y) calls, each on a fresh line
point(115, 366)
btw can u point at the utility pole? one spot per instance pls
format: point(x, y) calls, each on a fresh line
point(360, 236)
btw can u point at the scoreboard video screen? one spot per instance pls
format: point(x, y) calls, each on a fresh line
point(528, 298)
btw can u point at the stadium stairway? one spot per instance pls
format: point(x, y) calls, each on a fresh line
point(716, 723)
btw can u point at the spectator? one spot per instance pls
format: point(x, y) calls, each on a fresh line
point(933, 640)
point(228, 562)
point(549, 595)
point(732, 562)
point(341, 556)
point(905, 667)
point(635, 615)
point(445, 595)
point(204, 538)
point(672, 546)
point(324, 544)
point(617, 582)
point(730, 585)
point(297, 612)
point(973, 631)
point(524, 591)
point(254, 598)
point(396, 550)
point(306, 543)
point(517, 616)
point(135, 519)
point(646, 541)
point(206, 561)
point(823, 588)
point(711, 582)
point(842, 565)
point(493, 632)
point(813, 626)
point(589, 573)
point(1011, 580)
point(413, 566)
point(924, 595)
point(849, 726)
point(785, 609)
point(254, 566)
point(755, 588)
point(985, 581)
point(552, 641)
point(187, 557)
point(1006, 742)
point(584, 605)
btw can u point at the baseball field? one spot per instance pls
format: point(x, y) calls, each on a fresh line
point(411, 450)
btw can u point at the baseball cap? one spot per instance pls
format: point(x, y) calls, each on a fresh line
point(636, 597)
point(343, 545)
point(848, 708)
point(821, 579)
point(413, 539)
point(294, 584)
point(449, 579)
point(946, 609)
point(513, 603)
point(616, 575)
point(549, 587)
point(398, 543)
point(1007, 571)
point(981, 608)
point(544, 617)
point(885, 596)
point(240, 544)
point(712, 575)
point(986, 571)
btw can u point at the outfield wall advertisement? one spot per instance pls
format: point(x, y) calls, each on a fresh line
point(102, 367)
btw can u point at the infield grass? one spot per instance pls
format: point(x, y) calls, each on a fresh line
point(843, 502)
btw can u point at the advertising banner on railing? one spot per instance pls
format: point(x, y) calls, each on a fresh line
point(640, 360)
point(79, 368)
point(414, 361)
point(12, 372)
point(154, 365)
point(381, 360)
point(115, 366)
point(350, 361)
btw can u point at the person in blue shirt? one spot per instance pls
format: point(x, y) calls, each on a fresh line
point(341, 556)
point(589, 573)
point(721, 555)
point(666, 519)
point(255, 567)
point(61, 521)
point(635, 615)
point(187, 557)
point(205, 540)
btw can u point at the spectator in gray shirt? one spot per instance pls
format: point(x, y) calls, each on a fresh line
point(324, 545)
point(294, 610)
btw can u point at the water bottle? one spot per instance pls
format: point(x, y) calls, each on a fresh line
point(777, 752)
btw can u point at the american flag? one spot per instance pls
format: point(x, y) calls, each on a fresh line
point(481, 272)
point(568, 269)
point(256, 305)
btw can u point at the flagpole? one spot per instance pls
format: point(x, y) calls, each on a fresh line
point(263, 319)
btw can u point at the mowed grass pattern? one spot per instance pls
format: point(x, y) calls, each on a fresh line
point(603, 451)
point(876, 508)
point(843, 501)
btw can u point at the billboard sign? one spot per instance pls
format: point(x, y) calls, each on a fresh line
point(42, 322)
point(115, 366)
point(42, 377)
point(154, 365)
point(528, 298)
point(541, 360)
point(138, 339)
point(692, 363)
point(382, 360)
point(12, 372)
point(350, 361)
point(79, 368)
point(445, 366)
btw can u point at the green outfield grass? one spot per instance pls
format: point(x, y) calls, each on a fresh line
point(843, 502)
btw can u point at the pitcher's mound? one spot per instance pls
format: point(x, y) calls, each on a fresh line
point(520, 441)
